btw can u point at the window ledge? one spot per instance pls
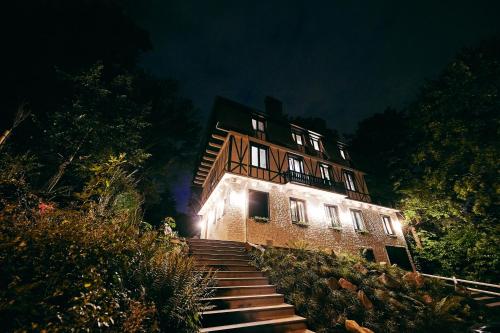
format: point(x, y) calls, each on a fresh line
point(362, 231)
point(335, 228)
point(392, 235)
point(260, 219)
point(301, 224)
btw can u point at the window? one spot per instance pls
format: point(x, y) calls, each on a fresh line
point(387, 225)
point(258, 204)
point(259, 156)
point(258, 125)
point(357, 220)
point(297, 137)
point(332, 213)
point(325, 171)
point(398, 255)
point(295, 163)
point(298, 211)
point(368, 254)
point(315, 143)
point(349, 180)
point(343, 153)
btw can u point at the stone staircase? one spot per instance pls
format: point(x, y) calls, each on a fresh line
point(243, 299)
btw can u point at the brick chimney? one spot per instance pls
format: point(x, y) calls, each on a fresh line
point(274, 107)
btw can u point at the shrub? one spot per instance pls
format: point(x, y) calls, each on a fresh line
point(309, 281)
point(68, 271)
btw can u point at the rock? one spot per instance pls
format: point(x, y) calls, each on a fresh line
point(347, 285)
point(333, 284)
point(365, 301)
point(360, 268)
point(388, 281)
point(353, 326)
point(427, 299)
point(381, 294)
point(414, 278)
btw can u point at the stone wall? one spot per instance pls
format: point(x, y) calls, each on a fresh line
point(234, 224)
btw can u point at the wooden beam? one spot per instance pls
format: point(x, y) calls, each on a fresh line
point(210, 159)
point(216, 145)
point(202, 173)
point(198, 182)
point(202, 168)
point(206, 164)
point(211, 152)
point(218, 137)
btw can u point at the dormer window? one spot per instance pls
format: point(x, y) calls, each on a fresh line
point(343, 153)
point(258, 125)
point(315, 143)
point(297, 137)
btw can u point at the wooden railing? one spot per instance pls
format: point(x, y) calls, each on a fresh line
point(302, 178)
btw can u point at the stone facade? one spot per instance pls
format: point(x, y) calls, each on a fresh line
point(224, 216)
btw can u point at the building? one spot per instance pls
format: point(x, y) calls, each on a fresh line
point(266, 181)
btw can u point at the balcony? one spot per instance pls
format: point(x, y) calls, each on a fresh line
point(305, 179)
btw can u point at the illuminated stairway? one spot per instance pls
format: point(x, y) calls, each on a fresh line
point(244, 301)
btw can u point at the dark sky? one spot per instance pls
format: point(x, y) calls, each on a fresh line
point(340, 60)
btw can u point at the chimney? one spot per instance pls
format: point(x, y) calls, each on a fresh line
point(274, 107)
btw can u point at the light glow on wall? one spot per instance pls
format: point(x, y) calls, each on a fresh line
point(316, 212)
point(396, 224)
point(237, 198)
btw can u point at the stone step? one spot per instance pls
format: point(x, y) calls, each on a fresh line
point(226, 267)
point(213, 241)
point(210, 248)
point(244, 290)
point(234, 274)
point(245, 315)
point(252, 281)
point(221, 261)
point(233, 302)
point(221, 255)
point(291, 324)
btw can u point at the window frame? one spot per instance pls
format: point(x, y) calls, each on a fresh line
point(312, 140)
point(388, 226)
point(343, 153)
point(338, 223)
point(256, 122)
point(297, 134)
point(358, 227)
point(349, 180)
point(300, 159)
point(303, 203)
point(328, 168)
point(259, 155)
point(249, 202)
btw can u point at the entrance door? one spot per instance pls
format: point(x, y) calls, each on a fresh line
point(399, 256)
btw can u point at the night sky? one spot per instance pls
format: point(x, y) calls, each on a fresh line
point(339, 60)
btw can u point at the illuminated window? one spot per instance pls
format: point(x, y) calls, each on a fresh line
point(258, 204)
point(332, 214)
point(325, 171)
point(357, 220)
point(315, 143)
point(349, 180)
point(259, 156)
point(298, 211)
point(297, 137)
point(258, 125)
point(343, 153)
point(295, 163)
point(388, 225)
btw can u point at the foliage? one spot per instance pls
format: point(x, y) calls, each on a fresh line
point(442, 160)
point(306, 278)
point(64, 270)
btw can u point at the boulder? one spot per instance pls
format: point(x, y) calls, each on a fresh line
point(360, 268)
point(388, 281)
point(353, 326)
point(365, 301)
point(347, 285)
point(414, 278)
point(333, 284)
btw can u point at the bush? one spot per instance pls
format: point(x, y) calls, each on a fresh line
point(309, 280)
point(65, 270)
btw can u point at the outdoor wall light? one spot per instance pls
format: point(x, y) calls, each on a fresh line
point(237, 198)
